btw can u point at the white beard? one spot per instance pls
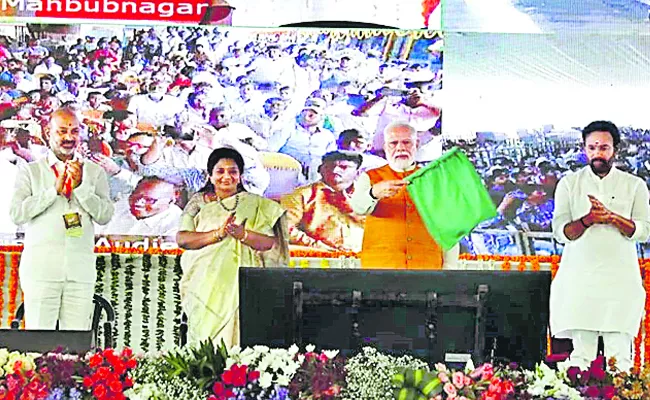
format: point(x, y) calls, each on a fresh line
point(401, 164)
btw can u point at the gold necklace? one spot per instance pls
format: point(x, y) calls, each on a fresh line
point(226, 208)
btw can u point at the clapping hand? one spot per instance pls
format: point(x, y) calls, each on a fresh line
point(598, 214)
point(59, 184)
point(234, 230)
point(75, 172)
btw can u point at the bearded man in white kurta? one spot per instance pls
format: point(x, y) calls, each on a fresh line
point(600, 213)
point(57, 199)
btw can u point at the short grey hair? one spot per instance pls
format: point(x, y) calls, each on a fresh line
point(398, 125)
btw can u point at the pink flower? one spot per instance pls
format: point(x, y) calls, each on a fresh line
point(467, 381)
point(597, 373)
point(450, 390)
point(487, 372)
point(463, 398)
point(458, 378)
point(495, 386)
point(609, 392)
point(592, 391)
point(443, 377)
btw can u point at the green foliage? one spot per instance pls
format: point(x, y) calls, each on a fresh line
point(203, 364)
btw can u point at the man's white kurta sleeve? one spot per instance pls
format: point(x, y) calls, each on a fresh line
point(94, 198)
point(361, 201)
point(641, 213)
point(562, 213)
point(25, 204)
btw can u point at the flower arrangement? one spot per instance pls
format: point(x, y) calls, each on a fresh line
point(442, 383)
point(56, 376)
point(276, 366)
point(320, 376)
point(240, 383)
point(630, 385)
point(22, 382)
point(369, 374)
point(546, 383)
point(208, 372)
point(108, 377)
point(593, 383)
point(152, 380)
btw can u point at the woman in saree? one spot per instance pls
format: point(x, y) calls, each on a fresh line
point(223, 227)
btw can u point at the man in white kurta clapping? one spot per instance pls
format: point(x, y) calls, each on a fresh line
point(57, 199)
point(600, 214)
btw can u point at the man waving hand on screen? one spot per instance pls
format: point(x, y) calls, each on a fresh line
point(395, 237)
point(600, 213)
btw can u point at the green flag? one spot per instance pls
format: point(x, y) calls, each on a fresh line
point(450, 198)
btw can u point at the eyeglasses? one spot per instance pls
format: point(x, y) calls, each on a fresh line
point(146, 200)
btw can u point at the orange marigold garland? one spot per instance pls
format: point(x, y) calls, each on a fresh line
point(637, 351)
point(522, 265)
point(646, 321)
point(3, 271)
point(506, 265)
point(555, 265)
point(13, 285)
point(534, 263)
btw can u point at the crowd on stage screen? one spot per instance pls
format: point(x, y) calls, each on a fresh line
point(154, 104)
point(521, 176)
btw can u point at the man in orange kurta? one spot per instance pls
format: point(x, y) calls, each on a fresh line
point(395, 236)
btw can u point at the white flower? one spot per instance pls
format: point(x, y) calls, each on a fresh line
point(283, 380)
point(293, 350)
point(469, 366)
point(442, 367)
point(266, 380)
point(310, 348)
point(331, 354)
point(263, 365)
point(261, 349)
point(234, 350)
point(301, 358)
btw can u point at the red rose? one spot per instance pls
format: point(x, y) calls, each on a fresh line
point(127, 352)
point(128, 382)
point(96, 360)
point(131, 363)
point(239, 376)
point(119, 367)
point(102, 372)
point(592, 391)
point(88, 381)
point(100, 391)
point(507, 387)
point(253, 376)
point(218, 388)
point(115, 386)
point(227, 377)
point(108, 353)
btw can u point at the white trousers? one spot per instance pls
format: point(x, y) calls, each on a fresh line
point(70, 303)
point(585, 349)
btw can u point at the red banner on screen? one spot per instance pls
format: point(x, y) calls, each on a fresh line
point(189, 11)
